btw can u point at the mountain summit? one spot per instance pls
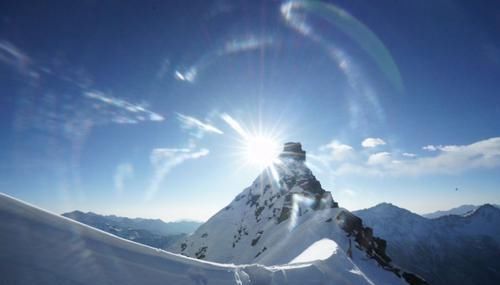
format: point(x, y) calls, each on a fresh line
point(285, 216)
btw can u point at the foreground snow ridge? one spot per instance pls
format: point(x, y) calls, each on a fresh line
point(38, 247)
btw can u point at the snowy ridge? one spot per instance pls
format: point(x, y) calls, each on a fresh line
point(460, 211)
point(280, 216)
point(38, 247)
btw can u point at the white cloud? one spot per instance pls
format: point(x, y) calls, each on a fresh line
point(409, 154)
point(379, 158)
point(165, 159)
point(449, 160)
point(123, 172)
point(430, 148)
point(441, 147)
point(190, 123)
point(338, 151)
point(372, 142)
point(453, 159)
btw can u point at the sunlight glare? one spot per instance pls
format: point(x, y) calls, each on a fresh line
point(261, 151)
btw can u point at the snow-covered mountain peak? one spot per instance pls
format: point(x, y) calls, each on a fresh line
point(485, 211)
point(390, 212)
point(287, 185)
point(284, 215)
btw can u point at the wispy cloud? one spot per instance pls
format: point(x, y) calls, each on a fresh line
point(165, 159)
point(123, 172)
point(372, 142)
point(408, 154)
point(72, 110)
point(191, 123)
point(134, 113)
point(17, 59)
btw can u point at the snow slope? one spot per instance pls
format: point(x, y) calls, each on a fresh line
point(279, 217)
point(37, 247)
point(447, 250)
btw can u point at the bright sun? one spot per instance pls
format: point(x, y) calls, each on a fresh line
point(258, 147)
point(260, 150)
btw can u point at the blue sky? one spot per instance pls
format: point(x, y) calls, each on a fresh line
point(125, 107)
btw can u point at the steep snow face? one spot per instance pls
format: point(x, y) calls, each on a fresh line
point(447, 250)
point(37, 247)
point(280, 216)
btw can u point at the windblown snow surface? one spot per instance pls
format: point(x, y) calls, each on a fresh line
point(38, 247)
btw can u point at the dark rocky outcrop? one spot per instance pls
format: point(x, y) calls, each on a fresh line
point(374, 247)
point(293, 150)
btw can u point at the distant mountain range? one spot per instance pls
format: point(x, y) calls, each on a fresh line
point(152, 232)
point(460, 210)
point(451, 249)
